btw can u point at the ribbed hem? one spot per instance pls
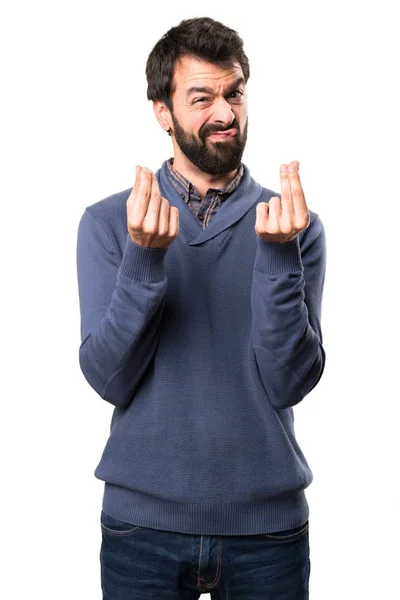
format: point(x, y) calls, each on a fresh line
point(233, 518)
point(143, 264)
point(274, 258)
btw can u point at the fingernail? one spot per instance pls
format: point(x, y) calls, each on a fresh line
point(284, 168)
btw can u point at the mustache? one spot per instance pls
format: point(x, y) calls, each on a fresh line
point(209, 130)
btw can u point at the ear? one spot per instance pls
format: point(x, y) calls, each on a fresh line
point(162, 114)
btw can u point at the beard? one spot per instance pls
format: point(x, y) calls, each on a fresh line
point(211, 157)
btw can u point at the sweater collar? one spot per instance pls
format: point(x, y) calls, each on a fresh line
point(233, 209)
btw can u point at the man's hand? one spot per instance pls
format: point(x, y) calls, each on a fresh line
point(281, 220)
point(152, 222)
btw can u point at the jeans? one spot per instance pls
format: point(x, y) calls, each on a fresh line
point(139, 563)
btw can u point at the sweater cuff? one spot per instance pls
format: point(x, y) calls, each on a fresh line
point(274, 258)
point(143, 264)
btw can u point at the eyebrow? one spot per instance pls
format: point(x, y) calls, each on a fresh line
point(206, 90)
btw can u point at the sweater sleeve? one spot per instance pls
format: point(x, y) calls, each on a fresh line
point(286, 299)
point(121, 305)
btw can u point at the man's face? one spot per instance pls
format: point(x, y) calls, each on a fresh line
point(208, 99)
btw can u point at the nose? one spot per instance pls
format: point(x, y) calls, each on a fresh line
point(223, 112)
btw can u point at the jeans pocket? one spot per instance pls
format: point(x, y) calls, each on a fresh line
point(289, 535)
point(117, 528)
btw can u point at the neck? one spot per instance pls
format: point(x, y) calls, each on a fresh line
point(202, 181)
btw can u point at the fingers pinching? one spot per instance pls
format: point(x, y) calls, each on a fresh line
point(288, 215)
point(151, 221)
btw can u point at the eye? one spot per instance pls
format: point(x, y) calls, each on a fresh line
point(236, 92)
point(201, 100)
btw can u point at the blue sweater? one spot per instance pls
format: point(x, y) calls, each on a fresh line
point(203, 349)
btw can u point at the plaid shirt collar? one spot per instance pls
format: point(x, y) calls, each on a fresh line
point(187, 190)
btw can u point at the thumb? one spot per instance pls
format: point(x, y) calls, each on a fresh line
point(262, 210)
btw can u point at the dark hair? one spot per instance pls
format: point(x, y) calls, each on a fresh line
point(201, 38)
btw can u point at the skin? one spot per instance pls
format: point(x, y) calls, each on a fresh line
point(152, 222)
point(201, 113)
point(281, 220)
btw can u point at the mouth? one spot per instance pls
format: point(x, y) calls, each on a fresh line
point(223, 135)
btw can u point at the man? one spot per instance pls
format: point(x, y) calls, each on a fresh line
point(200, 296)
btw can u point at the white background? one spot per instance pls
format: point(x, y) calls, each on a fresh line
point(75, 122)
